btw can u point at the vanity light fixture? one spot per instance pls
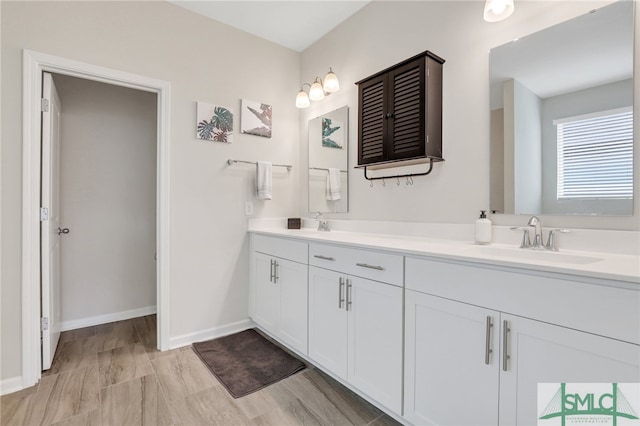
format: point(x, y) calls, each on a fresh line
point(498, 10)
point(318, 89)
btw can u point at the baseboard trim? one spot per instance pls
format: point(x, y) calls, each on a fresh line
point(10, 385)
point(103, 319)
point(211, 333)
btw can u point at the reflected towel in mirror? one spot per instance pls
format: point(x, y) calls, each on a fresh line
point(333, 184)
point(263, 180)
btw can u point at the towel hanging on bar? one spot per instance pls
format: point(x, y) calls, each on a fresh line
point(264, 180)
point(333, 185)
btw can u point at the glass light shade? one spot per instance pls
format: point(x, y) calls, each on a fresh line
point(497, 10)
point(316, 92)
point(331, 83)
point(302, 100)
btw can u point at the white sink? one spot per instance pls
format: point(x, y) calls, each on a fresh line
point(535, 255)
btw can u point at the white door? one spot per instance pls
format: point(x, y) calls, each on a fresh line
point(50, 235)
point(266, 293)
point(375, 340)
point(328, 320)
point(292, 324)
point(545, 353)
point(451, 362)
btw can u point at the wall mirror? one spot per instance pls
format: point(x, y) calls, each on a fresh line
point(328, 162)
point(562, 117)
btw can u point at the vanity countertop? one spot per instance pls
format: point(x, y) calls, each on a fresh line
point(596, 265)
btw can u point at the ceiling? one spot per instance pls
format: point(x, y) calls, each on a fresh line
point(584, 52)
point(293, 24)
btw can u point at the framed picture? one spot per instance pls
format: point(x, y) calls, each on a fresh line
point(332, 133)
point(255, 118)
point(214, 123)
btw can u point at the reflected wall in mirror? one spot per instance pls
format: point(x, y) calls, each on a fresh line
point(328, 162)
point(562, 117)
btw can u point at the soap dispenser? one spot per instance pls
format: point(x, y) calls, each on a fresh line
point(483, 229)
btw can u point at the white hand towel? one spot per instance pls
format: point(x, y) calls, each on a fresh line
point(333, 184)
point(263, 180)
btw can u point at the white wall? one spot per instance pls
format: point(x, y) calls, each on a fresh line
point(497, 157)
point(528, 151)
point(203, 60)
point(107, 199)
point(384, 33)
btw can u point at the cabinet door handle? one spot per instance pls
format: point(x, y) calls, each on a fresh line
point(364, 265)
point(348, 294)
point(319, 256)
point(340, 292)
point(487, 349)
point(505, 345)
point(271, 272)
point(275, 271)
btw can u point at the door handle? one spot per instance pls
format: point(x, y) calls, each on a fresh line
point(63, 231)
point(487, 349)
point(275, 271)
point(505, 345)
point(348, 294)
point(340, 292)
point(364, 265)
point(271, 271)
point(319, 256)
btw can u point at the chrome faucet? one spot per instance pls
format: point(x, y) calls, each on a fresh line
point(538, 241)
point(323, 224)
point(537, 237)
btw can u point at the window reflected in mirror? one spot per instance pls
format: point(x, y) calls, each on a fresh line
point(562, 117)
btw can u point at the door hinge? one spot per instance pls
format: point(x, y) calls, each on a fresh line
point(44, 105)
point(44, 214)
point(44, 324)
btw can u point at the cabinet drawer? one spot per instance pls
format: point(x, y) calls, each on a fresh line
point(280, 247)
point(594, 308)
point(370, 264)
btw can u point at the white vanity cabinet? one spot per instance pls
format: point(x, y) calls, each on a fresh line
point(470, 360)
point(355, 323)
point(451, 362)
point(278, 301)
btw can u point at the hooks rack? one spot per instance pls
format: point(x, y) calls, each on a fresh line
point(408, 176)
point(232, 162)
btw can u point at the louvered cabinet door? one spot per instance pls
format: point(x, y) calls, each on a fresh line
point(406, 118)
point(372, 121)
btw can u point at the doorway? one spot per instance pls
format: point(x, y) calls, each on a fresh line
point(106, 211)
point(35, 64)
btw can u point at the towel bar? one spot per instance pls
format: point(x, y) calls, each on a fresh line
point(231, 162)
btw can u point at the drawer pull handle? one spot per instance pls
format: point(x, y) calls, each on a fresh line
point(364, 265)
point(487, 349)
point(505, 345)
point(271, 274)
point(340, 292)
point(319, 256)
point(348, 294)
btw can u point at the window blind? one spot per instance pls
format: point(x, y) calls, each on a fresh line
point(595, 155)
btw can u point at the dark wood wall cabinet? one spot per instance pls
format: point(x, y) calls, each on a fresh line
point(400, 114)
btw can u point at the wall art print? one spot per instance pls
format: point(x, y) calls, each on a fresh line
point(214, 123)
point(332, 133)
point(255, 118)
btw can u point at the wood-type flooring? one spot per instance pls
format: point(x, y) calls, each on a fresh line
point(112, 374)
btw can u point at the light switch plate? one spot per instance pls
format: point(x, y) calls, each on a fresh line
point(248, 208)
